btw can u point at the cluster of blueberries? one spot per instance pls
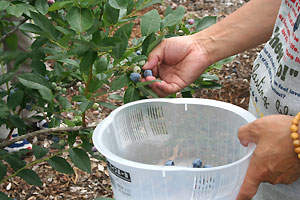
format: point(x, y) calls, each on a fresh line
point(136, 74)
point(197, 163)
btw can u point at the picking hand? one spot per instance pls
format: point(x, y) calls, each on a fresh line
point(274, 159)
point(177, 61)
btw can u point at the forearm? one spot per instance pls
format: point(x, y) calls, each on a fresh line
point(246, 28)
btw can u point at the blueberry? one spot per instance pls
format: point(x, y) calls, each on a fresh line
point(191, 21)
point(55, 139)
point(170, 163)
point(61, 142)
point(94, 149)
point(135, 77)
point(207, 166)
point(197, 163)
point(138, 52)
point(147, 72)
point(186, 26)
point(46, 77)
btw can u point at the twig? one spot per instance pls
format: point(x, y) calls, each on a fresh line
point(44, 131)
point(13, 30)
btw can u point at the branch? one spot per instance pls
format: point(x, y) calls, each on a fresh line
point(13, 30)
point(44, 131)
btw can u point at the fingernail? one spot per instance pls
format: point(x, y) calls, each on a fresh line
point(244, 143)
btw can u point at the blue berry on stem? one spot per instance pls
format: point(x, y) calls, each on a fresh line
point(197, 163)
point(135, 77)
point(138, 52)
point(170, 163)
point(147, 72)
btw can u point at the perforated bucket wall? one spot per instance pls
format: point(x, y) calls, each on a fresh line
point(142, 136)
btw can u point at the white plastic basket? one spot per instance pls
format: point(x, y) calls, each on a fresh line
point(137, 138)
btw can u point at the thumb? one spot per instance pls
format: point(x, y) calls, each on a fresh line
point(247, 134)
point(250, 184)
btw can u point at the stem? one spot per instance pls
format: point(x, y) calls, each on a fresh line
point(43, 131)
point(38, 161)
point(12, 31)
point(86, 93)
point(11, 131)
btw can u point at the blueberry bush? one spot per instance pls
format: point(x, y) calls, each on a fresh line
point(90, 48)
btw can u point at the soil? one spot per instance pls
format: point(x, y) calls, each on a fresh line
point(234, 77)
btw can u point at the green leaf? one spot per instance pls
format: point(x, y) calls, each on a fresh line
point(30, 177)
point(80, 159)
point(4, 196)
point(27, 27)
point(38, 67)
point(131, 94)
point(64, 41)
point(64, 102)
point(14, 162)
point(206, 22)
point(17, 122)
point(3, 170)
point(107, 105)
point(80, 19)
point(174, 17)
point(4, 78)
point(115, 97)
point(69, 61)
point(139, 84)
point(168, 11)
point(150, 3)
point(112, 14)
point(84, 106)
point(60, 4)
point(15, 99)
point(45, 24)
point(118, 4)
point(4, 110)
point(109, 43)
point(150, 22)
point(42, 6)
point(148, 91)
point(61, 165)
point(39, 151)
point(153, 44)
point(4, 5)
point(120, 82)
point(36, 81)
point(87, 61)
point(39, 42)
point(79, 98)
point(146, 43)
point(124, 33)
point(16, 10)
point(12, 42)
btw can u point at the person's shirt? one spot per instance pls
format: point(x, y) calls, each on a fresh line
point(275, 78)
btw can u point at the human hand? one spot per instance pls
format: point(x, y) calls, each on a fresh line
point(274, 159)
point(177, 61)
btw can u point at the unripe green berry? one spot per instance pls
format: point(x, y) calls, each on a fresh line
point(58, 88)
point(137, 69)
point(53, 84)
point(95, 106)
point(61, 142)
point(64, 89)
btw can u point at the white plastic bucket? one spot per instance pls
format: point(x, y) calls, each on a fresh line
point(139, 137)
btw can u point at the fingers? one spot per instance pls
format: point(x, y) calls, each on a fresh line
point(250, 184)
point(155, 58)
point(162, 88)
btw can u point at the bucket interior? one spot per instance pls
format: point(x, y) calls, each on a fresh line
point(154, 132)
